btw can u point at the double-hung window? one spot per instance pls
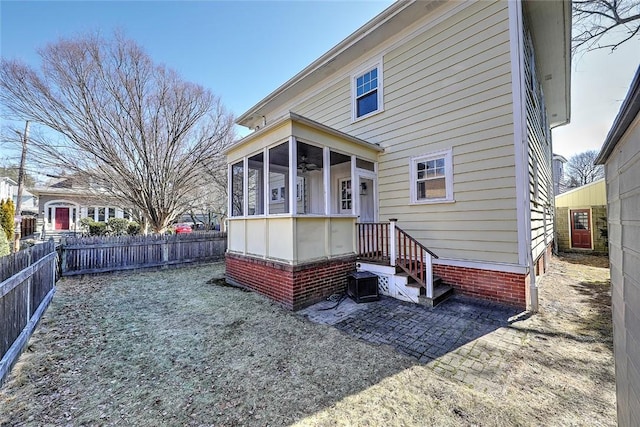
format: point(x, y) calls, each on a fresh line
point(432, 178)
point(367, 92)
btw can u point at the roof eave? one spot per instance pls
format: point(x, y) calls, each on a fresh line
point(628, 112)
point(551, 22)
point(297, 118)
point(329, 56)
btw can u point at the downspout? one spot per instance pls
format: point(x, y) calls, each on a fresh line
point(533, 288)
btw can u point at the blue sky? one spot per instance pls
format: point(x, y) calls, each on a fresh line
point(243, 50)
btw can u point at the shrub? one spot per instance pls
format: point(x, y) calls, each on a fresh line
point(94, 228)
point(7, 214)
point(133, 229)
point(85, 224)
point(118, 226)
point(5, 249)
point(98, 228)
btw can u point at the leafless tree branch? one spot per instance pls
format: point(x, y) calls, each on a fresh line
point(593, 19)
point(581, 170)
point(134, 126)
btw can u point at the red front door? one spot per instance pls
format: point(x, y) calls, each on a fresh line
point(580, 228)
point(62, 218)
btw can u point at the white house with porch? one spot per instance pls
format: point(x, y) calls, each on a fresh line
point(419, 149)
point(63, 203)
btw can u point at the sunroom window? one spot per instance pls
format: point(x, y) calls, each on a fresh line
point(237, 174)
point(309, 179)
point(279, 179)
point(255, 176)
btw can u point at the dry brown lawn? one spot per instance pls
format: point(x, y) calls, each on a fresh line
point(174, 348)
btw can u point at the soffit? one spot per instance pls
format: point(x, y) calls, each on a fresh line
point(550, 23)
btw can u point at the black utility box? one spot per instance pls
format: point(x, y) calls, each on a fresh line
point(362, 286)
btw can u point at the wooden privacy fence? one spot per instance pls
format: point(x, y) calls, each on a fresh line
point(86, 255)
point(28, 284)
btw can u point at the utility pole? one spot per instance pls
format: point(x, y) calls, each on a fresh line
point(23, 158)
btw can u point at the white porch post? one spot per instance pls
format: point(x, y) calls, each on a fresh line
point(392, 242)
point(245, 186)
point(265, 181)
point(428, 264)
point(355, 198)
point(326, 178)
point(293, 167)
point(229, 191)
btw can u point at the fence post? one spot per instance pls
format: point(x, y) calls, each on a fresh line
point(165, 252)
point(392, 241)
point(63, 258)
point(29, 285)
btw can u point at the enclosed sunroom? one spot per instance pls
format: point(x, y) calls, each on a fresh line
point(296, 190)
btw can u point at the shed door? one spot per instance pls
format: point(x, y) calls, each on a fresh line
point(62, 218)
point(580, 228)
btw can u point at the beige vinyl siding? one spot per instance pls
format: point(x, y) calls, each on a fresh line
point(593, 194)
point(539, 156)
point(623, 192)
point(448, 87)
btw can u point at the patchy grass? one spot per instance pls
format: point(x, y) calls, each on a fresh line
point(173, 347)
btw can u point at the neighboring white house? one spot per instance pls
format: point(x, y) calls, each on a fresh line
point(8, 188)
point(559, 185)
point(9, 191)
point(63, 202)
point(620, 156)
point(28, 207)
point(435, 114)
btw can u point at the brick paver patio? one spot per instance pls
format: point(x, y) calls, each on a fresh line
point(464, 339)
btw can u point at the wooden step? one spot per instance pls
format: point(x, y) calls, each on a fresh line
point(440, 294)
point(412, 283)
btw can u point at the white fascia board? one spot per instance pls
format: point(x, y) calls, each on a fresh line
point(519, 131)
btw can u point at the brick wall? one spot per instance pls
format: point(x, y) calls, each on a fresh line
point(295, 287)
point(505, 288)
point(563, 229)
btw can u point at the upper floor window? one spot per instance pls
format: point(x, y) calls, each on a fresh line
point(432, 178)
point(367, 92)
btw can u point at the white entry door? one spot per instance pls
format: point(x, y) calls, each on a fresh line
point(367, 196)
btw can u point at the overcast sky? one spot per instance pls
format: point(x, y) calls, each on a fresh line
point(243, 50)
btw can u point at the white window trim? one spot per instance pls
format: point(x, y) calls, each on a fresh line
point(354, 76)
point(448, 168)
point(350, 210)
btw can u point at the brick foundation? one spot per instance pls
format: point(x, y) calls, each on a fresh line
point(505, 288)
point(498, 286)
point(295, 287)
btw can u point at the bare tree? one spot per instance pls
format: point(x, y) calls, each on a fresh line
point(581, 170)
point(210, 205)
point(593, 19)
point(125, 124)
